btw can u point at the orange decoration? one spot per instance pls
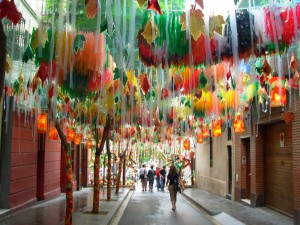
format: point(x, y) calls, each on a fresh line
point(277, 93)
point(238, 125)
point(77, 139)
point(53, 135)
point(42, 123)
point(70, 135)
point(205, 130)
point(216, 128)
point(89, 144)
point(199, 137)
point(186, 144)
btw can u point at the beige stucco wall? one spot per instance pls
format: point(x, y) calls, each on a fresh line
point(213, 179)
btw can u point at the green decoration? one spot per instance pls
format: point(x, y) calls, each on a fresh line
point(182, 100)
point(79, 42)
point(16, 86)
point(28, 54)
point(103, 26)
point(124, 78)
point(202, 80)
point(188, 103)
point(116, 73)
point(117, 98)
point(233, 83)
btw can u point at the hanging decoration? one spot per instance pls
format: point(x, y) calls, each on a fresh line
point(205, 130)
point(53, 134)
point(70, 134)
point(42, 123)
point(216, 128)
point(186, 144)
point(238, 124)
point(277, 92)
point(199, 137)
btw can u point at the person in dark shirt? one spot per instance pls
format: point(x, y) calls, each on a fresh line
point(150, 177)
point(163, 173)
point(173, 180)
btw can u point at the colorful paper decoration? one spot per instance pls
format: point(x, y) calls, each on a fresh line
point(238, 124)
point(216, 128)
point(205, 130)
point(199, 137)
point(277, 92)
point(92, 9)
point(187, 144)
point(53, 134)
point(42, 123)
point(70, 134)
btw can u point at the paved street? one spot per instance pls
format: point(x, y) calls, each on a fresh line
point(155, 208)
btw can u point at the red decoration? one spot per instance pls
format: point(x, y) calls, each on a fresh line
point(44, 70)
point(288, 25)
point(153, 4)
point(216, 128)
point(144, 83)
point(186, 144)
point(42, 123)
point(8, 9)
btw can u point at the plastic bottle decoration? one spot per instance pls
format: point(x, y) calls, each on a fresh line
point(216, 128)
point(42, 123)
point(199, 137)
point(278, 92)
point(89, 144)
point(238, 124)
point(53, 135)
point(70, 134)
point(205, 130)
point(186, 144)
point(77, 138)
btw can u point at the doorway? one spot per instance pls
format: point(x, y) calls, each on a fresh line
point(229, 150)
point(246, 171)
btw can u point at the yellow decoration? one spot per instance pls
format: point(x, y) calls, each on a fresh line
point(205, 130)
point(215, 25)
point(150, 31)
point(53, 134)
point(246, 79)
point(8, 64)
point(141, 3)
point(36, 40)
point(196, 23)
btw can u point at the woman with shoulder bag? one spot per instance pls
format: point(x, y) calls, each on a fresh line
point(173, 182)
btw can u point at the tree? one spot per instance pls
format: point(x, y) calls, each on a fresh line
point(105, 138)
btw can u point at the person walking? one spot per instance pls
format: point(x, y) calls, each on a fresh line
point(143, 177)
point(173, 180)
point(150, 177)
point(163, 173)
point(157, 178)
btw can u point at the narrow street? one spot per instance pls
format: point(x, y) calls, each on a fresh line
point(155, 208)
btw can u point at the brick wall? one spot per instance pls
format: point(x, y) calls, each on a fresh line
point(23, 178)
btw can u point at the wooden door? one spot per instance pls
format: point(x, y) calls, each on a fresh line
point(248, 169)
point(279, 167)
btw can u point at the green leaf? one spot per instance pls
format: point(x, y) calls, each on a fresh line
point(28, 54)
point(79, 42)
